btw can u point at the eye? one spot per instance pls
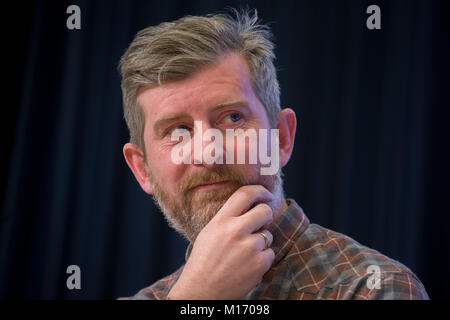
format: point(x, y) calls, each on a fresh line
point(231, 119)
point(181, 128)
point(234, 117)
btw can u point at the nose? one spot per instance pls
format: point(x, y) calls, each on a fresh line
point(207, 145)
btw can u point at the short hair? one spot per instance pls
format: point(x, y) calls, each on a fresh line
point(172, 51)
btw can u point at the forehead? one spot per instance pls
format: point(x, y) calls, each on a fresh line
point(226, 80)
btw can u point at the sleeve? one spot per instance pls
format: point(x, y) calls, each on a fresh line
point(391, 286)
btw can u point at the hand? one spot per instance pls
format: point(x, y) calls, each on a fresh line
point(228, 258)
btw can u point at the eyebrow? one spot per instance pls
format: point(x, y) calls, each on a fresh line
point(159, 124)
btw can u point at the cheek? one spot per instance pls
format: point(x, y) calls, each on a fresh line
point(251, 147)
point(250, 172)
point(166, 173)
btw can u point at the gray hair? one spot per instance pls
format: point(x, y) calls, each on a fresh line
point(173, 50)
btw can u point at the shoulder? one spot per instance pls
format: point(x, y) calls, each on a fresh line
point(331, 265)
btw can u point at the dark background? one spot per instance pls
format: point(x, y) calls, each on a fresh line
point(371, 157)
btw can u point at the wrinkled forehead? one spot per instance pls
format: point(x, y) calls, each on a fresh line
point(225, 81)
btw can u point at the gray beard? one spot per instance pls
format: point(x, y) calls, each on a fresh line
point(188, 222)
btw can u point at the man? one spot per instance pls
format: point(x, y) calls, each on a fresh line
point(247, 241)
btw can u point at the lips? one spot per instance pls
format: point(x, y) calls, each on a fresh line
point(212, 185)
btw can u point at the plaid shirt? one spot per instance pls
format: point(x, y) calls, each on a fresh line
point(312, 262)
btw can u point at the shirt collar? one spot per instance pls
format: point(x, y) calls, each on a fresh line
point(285, 230)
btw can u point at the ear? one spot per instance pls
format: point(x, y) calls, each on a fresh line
point(286, 124)
point(135, 160)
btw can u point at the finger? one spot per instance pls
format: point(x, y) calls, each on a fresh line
point(267, 257)
point(256, 218)
point(243, 198)
point(260, 241)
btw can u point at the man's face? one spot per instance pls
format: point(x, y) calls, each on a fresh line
point(221, 97)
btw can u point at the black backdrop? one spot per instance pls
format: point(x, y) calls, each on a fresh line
point(371, 157)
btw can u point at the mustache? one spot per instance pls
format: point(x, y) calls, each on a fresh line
point(208, 176)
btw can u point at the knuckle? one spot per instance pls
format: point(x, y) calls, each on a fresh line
point(236, 231)
point(266, 209)
point(253, 245)
point(259, 187)
point(228, 229)
point(262, 190)
point(247, 191)
point(245, 188)
point(250, 190)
